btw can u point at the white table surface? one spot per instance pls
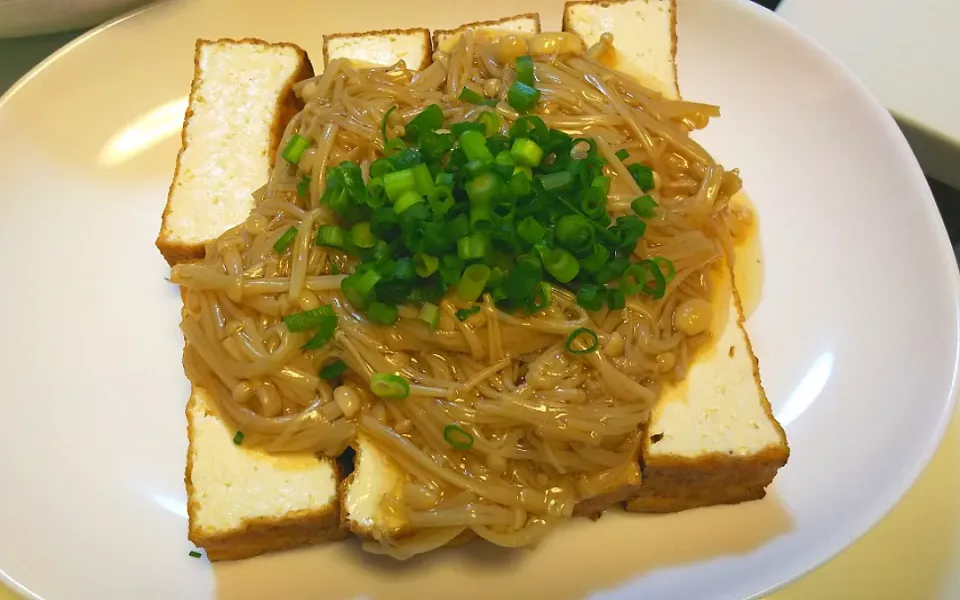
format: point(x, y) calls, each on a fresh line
point(913, 554)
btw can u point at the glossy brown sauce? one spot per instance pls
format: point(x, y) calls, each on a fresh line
point(746, 277)
point(748, 264)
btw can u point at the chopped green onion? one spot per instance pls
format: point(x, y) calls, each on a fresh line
point(527, 172)
point(471, 97)
point(451, 211)
point(311, 319)
point(325, 330)
point(295, 148)
point(522, 97)
point(393, 147)
point(483, 191)
point(592, 297)
point(406, 159)
point(525, 69)
point(472, 281)
point(440, 200)
point(613, 269)
point(425, 264)
point(385, 314)
point(430, 314)
point(386, 385)
point(658, 287)
point(421, 174)
point(634, 278)
point(445, 180)
point(643, 175)
point(504, 159)
point(526, 152)
point(477, 166)
point(399, 182)
point(628, 231)
point(530, 126)
point(358, 287)
point(384, 223)
point(593, 203)
point(464, 313)
point(557, 182)
point(591, 147)
point(490, 122)
point(238, 438)
point(383, 123)
point(622, 154)
point(666, 267)
point(575, 233)
point(637, 278)
point(591, 341)
point(602, 183)
point(458, 129)
point(360, 235)
point(284, 241)
point(376, 196)
point(429, 119)
point(521, 281)
point(333, 370)
point(541, 299)
point(331, 235)
point(407, 200)
point(530, 230)
point(335, 269)
point(644, 206)
point(195, 554)
point(561, 264)
point(472, 247)
point(380, 167)
point(457, 228)
point(303, 186)
point(615, 299)
point(596, 260)
point(433, 145)
point(458, 437)
point(474, 145)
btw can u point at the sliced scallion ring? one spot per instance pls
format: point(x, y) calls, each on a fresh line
point(458, 437)
point(666, 267)
point(590, 337)
point(387, 385)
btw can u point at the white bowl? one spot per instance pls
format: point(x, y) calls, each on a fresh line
point(34, 17)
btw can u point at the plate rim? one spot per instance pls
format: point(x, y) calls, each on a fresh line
point(946, 251)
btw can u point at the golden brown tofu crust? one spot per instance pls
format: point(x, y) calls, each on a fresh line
point(675, 483)
point(492, 24)
point(673, 27)
point(262, 534)
point(287, 106)
point(425, 33)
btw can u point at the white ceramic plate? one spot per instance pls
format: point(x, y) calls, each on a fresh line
point(857, 329)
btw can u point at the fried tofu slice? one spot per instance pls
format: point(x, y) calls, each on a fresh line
point(380, 48)
point(241, 502)
point(230, 135)
point(525, 24)
point(713, 439)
